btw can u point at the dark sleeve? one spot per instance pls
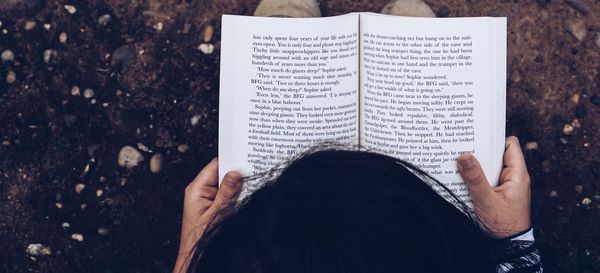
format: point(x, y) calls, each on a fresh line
point(518, 254)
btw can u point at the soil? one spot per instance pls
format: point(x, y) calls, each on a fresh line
point(149, 79)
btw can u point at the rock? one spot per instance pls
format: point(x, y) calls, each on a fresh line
point(79, 188)
point(38, 250)
point(576, 27)
point(195, 119)
point(597, 40)
point(575, 98)
point(75, 91)
point(158, 26)
point(183, 148)
point(70, 9)
point(576, 123)
point(568, 129)
point(413, 8)
point(29, 25)
point(208, 33)
point(586, 201)
point(124, 56)
point(65, 225)
point(206, 48)
point(443, 12)
point(103, 231)
point(58, 205)
point(11, 76)
point(62, 38)
point(50, 55)
point(129, 157)
point(18, 8)
point(88, 93)
point(531, 145)
point(77, 237)
point(595, 99)
point(580, 6)
point(143, 147)
point(7, 56)
point(104, 19)
point(156, 163)
point(553, 194)
point(99, 192)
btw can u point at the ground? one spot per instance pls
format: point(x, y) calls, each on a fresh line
point(60, 182)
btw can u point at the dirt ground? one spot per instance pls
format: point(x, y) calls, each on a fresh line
point(153, 89)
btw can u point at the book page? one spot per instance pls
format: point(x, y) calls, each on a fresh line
point(434, 88)
point(286, 84)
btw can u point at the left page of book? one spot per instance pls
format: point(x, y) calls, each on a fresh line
point(286, 84)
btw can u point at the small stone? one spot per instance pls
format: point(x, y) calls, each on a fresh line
point(77, 237)
point(443, 12)
point(595, 100)
point(195, 119)
point(88, 93)
point(156, 163)
point(79, 188)
point(578, 189)
point(576, 124)
point(103, 231)
point(158, 26)
point(515, 76)
point(70, 9)
point(564, 141)
point(125, 56)
point(586, 201)
point(99, 192)
point(104, 19)
point(183, 148)
point(129, 157)
point(531, 145)
point(65, 225)
point(412, 8)
point(206, 48)
point(208, 33)
point(29, 25)
point(47, 26)
point(75, 91)
point(568, 129)
point(83, 206)
point(597, 40)
point(62, 38)
point(38, 250)
point(7, 56)
point(59, 205)
point(143, 147)
point(11, 76)
point(577, 28)
point(553, 194)
point(186, 28)
point(580, 6)
point(575, 98)
point(50, 55)
point(102, 179)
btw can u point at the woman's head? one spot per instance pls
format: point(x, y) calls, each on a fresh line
point(345, 211)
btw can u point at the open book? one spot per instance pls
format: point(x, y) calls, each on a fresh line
point(423, 90)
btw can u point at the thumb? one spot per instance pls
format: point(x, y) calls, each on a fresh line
point(471, 172)
point(229, 190)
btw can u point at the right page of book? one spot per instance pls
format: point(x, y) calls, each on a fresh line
point(433, 88)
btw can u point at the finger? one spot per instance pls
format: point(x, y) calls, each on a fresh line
point(229, 190)
point(513, 155)
point(209, 176)
point(471, 172)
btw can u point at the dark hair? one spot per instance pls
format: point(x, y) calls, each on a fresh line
point(346, 211)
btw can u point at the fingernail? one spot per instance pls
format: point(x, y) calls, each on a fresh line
point(466, 163)
point(231, 181)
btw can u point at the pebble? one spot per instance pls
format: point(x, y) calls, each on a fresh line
point(553, 194)
point(99, 192)
point(75, 91)
point(88, 93)
point(597, 40)
point(125, 55)
point(7, 56)
point(70, 9)
point(412, 8)
point(208, 33)
point(129, 157)
point(62, 38)
point(575, 98)
point(143, 147)
point(20, 7)
point(531, 145)
point(83, 206)
point(156, 163)
point(578, 189)
point(580, 6)
point(103, 231)
point(195, 119)
point(183, 148)
point(79, 188)
point(186, 28)
point(77, 237)
point(568, 129)
point(58, 205)
point(65, 225)
point(29, 25)
point(158, 26)
point(576, 124)
point(576, 27)
point(50, 55)
point(104, 19)
point(11, 76)
point(38, 249)
point(595, 100)
point(443, 12)
point(206, 48)
point(586, 201)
